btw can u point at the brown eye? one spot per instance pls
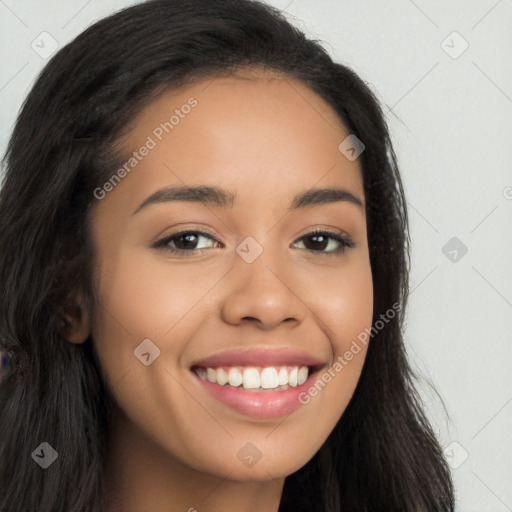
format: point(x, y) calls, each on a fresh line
point(183, 242)
point(319, 241)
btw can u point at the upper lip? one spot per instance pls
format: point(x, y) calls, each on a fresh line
point(260, 357)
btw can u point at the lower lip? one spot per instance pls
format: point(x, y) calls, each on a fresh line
point(259, 404)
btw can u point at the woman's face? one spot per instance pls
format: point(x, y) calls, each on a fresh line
point(251, 291)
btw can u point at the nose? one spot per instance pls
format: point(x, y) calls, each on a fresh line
point(263, 293)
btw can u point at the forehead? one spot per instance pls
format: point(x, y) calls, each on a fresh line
point(263, 131)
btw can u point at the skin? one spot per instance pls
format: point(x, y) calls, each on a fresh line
point(266, 137)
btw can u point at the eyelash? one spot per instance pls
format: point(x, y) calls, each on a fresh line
point(344, 242)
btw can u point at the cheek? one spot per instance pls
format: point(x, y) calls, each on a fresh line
point(141, 298)
point(147, 297)
point(345, 304)
point(345, 310)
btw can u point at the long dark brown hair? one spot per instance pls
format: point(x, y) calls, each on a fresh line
point(381, 456)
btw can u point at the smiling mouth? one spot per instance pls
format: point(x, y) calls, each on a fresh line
point(256, 378)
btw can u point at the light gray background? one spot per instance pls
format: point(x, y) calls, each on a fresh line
point(451, 122)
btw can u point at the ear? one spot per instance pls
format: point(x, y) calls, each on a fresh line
point(75, 320)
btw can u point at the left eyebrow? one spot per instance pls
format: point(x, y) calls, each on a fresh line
point(221, 198)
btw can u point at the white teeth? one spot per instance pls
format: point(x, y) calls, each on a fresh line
point(211, 374)
point(222, 377)
point(302, 375)
point(282, 378)
point(234, 377)
point(292, 377)
point(251, 377)
point(269, 379)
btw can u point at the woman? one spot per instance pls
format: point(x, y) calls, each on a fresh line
point(265, 370)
